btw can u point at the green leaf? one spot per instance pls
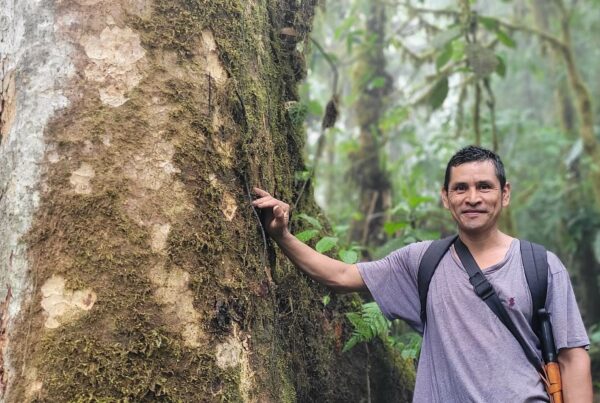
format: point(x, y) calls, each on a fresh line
point(416, 200)
point(444, 56)
point(302, 175)
point(311, 220)
point(348, 256)
point(345, 26)
point(501, 67)
point(441, 39)
point(326, 300)
point(353, 341)
point(458, 50)
point(326, 244)
point(314, 107)
point(307, 235)
point(391, 228)
point(377, 82)
point(491, 24)
point(439, 93)
point(505, 39)
point(393, 118)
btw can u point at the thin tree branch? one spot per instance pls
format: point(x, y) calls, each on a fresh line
point(329, 60)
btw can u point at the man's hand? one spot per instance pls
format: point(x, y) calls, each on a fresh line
point(338, 275)
point(277, 213)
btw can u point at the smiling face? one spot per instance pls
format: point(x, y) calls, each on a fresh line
point(474, 196)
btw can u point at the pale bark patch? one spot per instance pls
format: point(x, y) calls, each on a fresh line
point(160, 232)
point(228, 205)
point(114, 55)
point(229, 353)
point(174, 295)
point(80, 179)
point(214, 66)
point(34, 385)
point(8, 105)
point(153, 168)
point(234, 352)
point(88, 2)
point(61, 305)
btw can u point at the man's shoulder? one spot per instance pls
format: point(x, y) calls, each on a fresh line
point(555, 265)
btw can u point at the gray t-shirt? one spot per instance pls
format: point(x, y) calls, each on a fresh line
point(468, 355)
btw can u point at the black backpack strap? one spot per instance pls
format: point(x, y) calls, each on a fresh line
point(432, 257)
point(486, 292)
point(535, 265)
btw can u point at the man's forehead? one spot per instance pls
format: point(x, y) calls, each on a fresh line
point(474, 171)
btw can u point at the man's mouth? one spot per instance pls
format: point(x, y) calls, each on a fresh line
point(472, 213)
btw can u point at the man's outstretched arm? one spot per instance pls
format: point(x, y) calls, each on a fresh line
point(576, 375)
point(337, 275)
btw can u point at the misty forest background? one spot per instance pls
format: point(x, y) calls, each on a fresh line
point(394, 88)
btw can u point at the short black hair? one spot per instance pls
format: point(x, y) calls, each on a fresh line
point(475, 154)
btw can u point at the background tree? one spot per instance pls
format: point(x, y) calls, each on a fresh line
point(368, 168)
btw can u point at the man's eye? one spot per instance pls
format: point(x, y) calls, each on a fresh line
point(460, 188)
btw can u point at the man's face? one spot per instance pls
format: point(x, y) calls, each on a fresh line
point(474, 197)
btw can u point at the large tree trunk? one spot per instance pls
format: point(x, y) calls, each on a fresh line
point(586, 267)
point(134, 267)
point(372, 179)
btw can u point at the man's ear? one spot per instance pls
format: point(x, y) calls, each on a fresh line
point(506, 195)
point(444, 194)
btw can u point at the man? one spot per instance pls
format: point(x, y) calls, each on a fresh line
point(468, 355)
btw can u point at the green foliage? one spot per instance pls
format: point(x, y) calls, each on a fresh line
point(311, 220)
point(325, 244)
point(367, 324)
point(445, 55)
point(409, 344)
point(439, 93)
point(501, 67)
point(348, 256)
point(504, 38)
point(307, 235)
point(370, 323)
point(392, 118)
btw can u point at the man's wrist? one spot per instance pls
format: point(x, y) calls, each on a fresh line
point(285, 237)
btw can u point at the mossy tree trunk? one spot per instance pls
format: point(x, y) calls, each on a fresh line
point(136, 270)
point(367, 170)
point(584, 230)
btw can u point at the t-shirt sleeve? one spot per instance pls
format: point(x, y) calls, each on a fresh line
point(567, 325)
point(392, 282)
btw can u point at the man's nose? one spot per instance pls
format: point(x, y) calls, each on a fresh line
point(473, 196)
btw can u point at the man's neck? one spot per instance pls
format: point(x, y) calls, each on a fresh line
point(482, 241)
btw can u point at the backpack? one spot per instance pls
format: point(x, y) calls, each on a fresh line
point(535, 264)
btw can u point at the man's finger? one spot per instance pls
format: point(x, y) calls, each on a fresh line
point(278, 212)
point(266, 203)
point(260, 192)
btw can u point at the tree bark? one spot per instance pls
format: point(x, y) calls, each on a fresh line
point(368, 172)
point(135, 268)
point(586, 267)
